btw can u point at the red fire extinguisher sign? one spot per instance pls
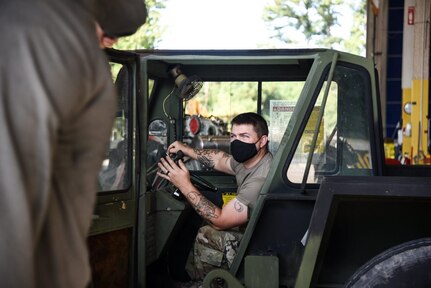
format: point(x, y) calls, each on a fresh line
point(411, 15)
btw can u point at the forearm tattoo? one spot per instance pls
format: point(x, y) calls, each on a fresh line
point(206, 157)
point(204, 207)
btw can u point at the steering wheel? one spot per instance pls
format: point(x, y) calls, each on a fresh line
point(202, 183)
point(196, 180)
point(199, 182)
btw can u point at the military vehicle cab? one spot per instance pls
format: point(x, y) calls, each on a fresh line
point(323, 112)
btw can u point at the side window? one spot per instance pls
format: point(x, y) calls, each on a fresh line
point(335, 140)
point(278, 102)
point(208, 114)
point(114, 174)
point(322, 122)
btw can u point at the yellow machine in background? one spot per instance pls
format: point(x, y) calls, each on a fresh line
point(413, 133)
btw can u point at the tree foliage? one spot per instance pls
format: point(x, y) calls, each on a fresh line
point(356, 42)
point(149, 34)
point(316, 20)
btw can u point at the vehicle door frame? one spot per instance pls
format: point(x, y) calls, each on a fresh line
point(117, 210)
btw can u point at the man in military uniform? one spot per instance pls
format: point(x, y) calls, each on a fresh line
point(250, 160)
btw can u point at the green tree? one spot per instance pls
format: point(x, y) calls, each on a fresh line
point(316, 20)
point(149, 34)
point(356, 42)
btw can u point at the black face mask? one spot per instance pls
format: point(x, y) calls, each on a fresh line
point(242, 151)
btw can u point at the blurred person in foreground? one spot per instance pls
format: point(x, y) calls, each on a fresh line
point(56, 114)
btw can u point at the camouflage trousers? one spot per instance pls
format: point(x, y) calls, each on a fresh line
point(212, 249)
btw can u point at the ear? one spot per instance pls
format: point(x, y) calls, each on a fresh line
point(263, 141)
point(108, 42)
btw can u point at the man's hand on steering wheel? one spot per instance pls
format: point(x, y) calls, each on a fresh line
point(177, 174)
point(177, 146)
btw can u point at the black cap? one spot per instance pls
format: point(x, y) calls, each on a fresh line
point(120, 17)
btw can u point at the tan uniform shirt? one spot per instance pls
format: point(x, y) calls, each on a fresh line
point(250, 181)
point(56, 113)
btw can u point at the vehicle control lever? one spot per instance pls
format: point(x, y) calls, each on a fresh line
point(177, 156)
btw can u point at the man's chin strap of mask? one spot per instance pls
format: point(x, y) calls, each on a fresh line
point(242, 151)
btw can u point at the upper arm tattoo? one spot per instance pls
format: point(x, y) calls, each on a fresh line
point(238, 206)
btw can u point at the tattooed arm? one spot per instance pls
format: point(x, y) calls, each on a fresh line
point(233, 213)
point(215, 159)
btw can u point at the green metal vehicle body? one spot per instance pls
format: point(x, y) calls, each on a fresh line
point(329, 132)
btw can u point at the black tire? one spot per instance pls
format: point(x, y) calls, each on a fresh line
point(405, 265)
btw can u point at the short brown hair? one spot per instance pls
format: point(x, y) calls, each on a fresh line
point(254, 119)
